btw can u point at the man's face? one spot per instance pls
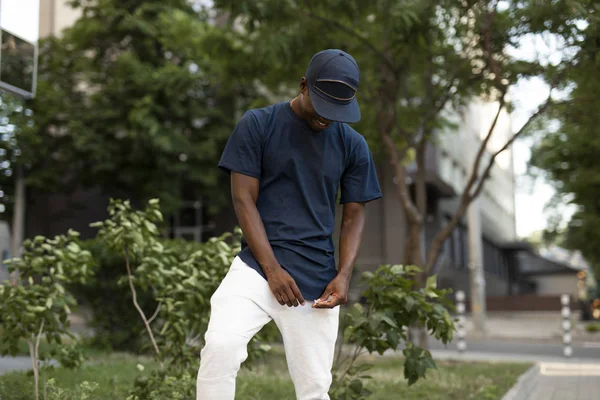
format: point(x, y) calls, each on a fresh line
point(316, 122)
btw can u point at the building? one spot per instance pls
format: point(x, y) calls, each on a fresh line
point(55, 15)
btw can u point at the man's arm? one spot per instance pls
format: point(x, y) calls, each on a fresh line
point(244, 193)
point(353, 223)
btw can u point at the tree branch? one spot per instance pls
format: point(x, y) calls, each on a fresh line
point(137, 306)
point(34, 352)
point(483, 147)
point(155, 313)
point(468, 196)
point(37, 341)
point(465, 200)
point(361, 38)
point(490, 164)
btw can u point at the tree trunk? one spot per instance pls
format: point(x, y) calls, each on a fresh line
point(34, 365)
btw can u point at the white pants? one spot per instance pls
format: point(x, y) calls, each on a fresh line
point(240, 307)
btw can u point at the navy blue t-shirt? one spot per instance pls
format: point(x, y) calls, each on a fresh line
point(300, 171)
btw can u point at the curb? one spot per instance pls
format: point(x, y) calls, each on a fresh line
point(525, 384)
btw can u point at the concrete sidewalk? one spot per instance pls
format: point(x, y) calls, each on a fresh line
point(534, 326)
point(481, 356)
point(557, 381)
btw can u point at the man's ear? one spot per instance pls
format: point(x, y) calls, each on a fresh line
point(303, 85)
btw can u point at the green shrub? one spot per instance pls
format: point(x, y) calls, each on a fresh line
point(85, 391)
point(161, 386)
point(592, 328)
point(115, 323)
point(393, 303)
point(179, 277)
point(38, 305)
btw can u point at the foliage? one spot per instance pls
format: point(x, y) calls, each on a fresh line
point(177, 388)
point(121, 329)
point(568, 151)
point(592, 328)
point(132, 98)
point(178, 280)
point(85, 391)
point(392, 305)
point(13, 117)
point(39, 306)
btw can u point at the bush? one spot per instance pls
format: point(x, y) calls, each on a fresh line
point(85, 391)
point(179, 277)
point(115, 322)
point(162, 386)
point(38, 304)
point(393, 303)
point(592, 328)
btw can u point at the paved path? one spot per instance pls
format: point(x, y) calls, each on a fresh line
point(558, 381)
point(529, 352)
point(504, 357)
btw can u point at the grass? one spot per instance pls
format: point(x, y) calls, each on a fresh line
point(114, 373)
point(592, 327)
point(454, 380)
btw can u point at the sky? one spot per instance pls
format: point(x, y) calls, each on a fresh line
point(531, 195)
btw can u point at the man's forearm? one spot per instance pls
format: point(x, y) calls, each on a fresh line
point(353, 223)
point(255, 234)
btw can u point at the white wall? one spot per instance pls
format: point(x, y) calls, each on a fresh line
point(557, 285)
point(56, 15)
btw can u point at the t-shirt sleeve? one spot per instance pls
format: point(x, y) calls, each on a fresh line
point(359, 181)
point(243, 151)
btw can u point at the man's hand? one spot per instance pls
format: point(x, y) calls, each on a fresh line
point(284, 288)
point(335, 294)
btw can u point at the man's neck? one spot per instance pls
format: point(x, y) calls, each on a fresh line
point(296, 107)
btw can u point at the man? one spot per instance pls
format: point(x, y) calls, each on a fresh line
point(287, 162)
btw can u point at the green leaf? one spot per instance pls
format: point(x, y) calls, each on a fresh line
point(413, 268)
point(397, 269)
point(389, 321)
point(431, 282)
point(393, 338)
point(150, 227)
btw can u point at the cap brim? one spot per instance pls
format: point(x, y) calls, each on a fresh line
point(348, 113)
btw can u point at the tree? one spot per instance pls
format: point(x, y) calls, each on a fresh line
point(132, 98)
point(568, 152)
point(13, 118)
point(419, 62)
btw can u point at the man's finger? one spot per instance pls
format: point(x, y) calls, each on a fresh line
point(331, 302)
point(297, 293)
point(285, 299)
point(279, 299)
point(290, 294)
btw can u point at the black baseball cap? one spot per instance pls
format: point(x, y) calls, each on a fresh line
point(333, 77)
